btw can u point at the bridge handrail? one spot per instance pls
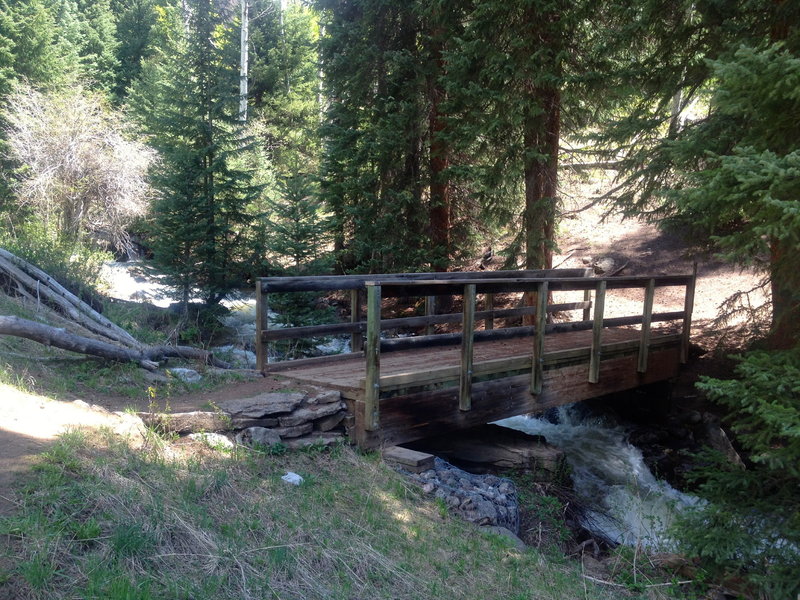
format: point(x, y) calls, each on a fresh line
point(356, 284)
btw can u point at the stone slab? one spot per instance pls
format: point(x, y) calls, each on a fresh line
point(269, 403)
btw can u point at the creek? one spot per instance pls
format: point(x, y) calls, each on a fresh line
point(625, 503)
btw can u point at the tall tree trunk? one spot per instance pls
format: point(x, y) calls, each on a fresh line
point(440, 204)
point(541, 180)
point(785, 288)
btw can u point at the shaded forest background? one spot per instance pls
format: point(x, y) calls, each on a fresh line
point(381, 136)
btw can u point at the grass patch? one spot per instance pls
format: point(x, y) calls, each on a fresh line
point(99, 518)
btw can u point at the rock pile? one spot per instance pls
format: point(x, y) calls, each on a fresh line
point(295, 419)
point(480, 499)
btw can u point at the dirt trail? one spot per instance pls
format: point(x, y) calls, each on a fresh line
point(28, 422)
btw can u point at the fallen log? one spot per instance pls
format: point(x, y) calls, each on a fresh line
point(39, 287)
point(146, 356)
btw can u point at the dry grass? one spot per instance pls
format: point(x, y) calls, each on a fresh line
point(102, 519)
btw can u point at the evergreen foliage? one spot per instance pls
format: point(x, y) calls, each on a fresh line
point(731, 176)
point(750, 526)
point(186, 99)
point(298, 232)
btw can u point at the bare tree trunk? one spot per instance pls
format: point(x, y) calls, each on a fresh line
point(61, 338)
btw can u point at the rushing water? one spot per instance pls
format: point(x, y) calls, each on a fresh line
point(626, 503)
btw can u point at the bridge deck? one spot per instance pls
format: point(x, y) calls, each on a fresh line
point(348, 375)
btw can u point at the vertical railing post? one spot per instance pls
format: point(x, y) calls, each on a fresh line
point(467, 340)
point(597, 332)
point(587, 297)
point(647, 317)
point(262, 322)
point(430, 310)
point(356, 338)
point(373, 357)
point(537, 371)
point(688, 307)
point(488, 300)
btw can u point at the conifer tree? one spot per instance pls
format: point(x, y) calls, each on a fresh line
point(728, 178)
point(187, 99)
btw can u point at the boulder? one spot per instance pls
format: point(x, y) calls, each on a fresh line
point(604, 265)
point(258, 436)
point(270, 403)
point(186, 375)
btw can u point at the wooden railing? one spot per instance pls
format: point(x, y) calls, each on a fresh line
point(356, 286)
point(468, 286)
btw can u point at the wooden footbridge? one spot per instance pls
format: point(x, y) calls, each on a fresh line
point(406, 388)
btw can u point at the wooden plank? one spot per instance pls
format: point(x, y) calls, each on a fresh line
point(316, 361)
point(373, 352)
point(688, 307)
point(411, 460)
point(424, 414)
point(597, 331)
point(552, 359)
point(488, 307)
point(467, 342)
point(329, 283)
point(451, 339)
point(647, 315)
point(262, 321)
point(423, 287)
point(356, 339)
point(537, 370)
point(357, 328)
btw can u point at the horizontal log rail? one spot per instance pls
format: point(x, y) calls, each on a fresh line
point(538, 284)
point(332, 283)
point(286, 333)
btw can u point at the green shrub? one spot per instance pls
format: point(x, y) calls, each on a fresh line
point(750, 526)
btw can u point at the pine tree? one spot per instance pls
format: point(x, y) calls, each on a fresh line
point(135, 20)
point(187, 99)
point(729, 178)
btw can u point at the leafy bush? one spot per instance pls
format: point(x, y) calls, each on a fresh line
point(750, 526)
